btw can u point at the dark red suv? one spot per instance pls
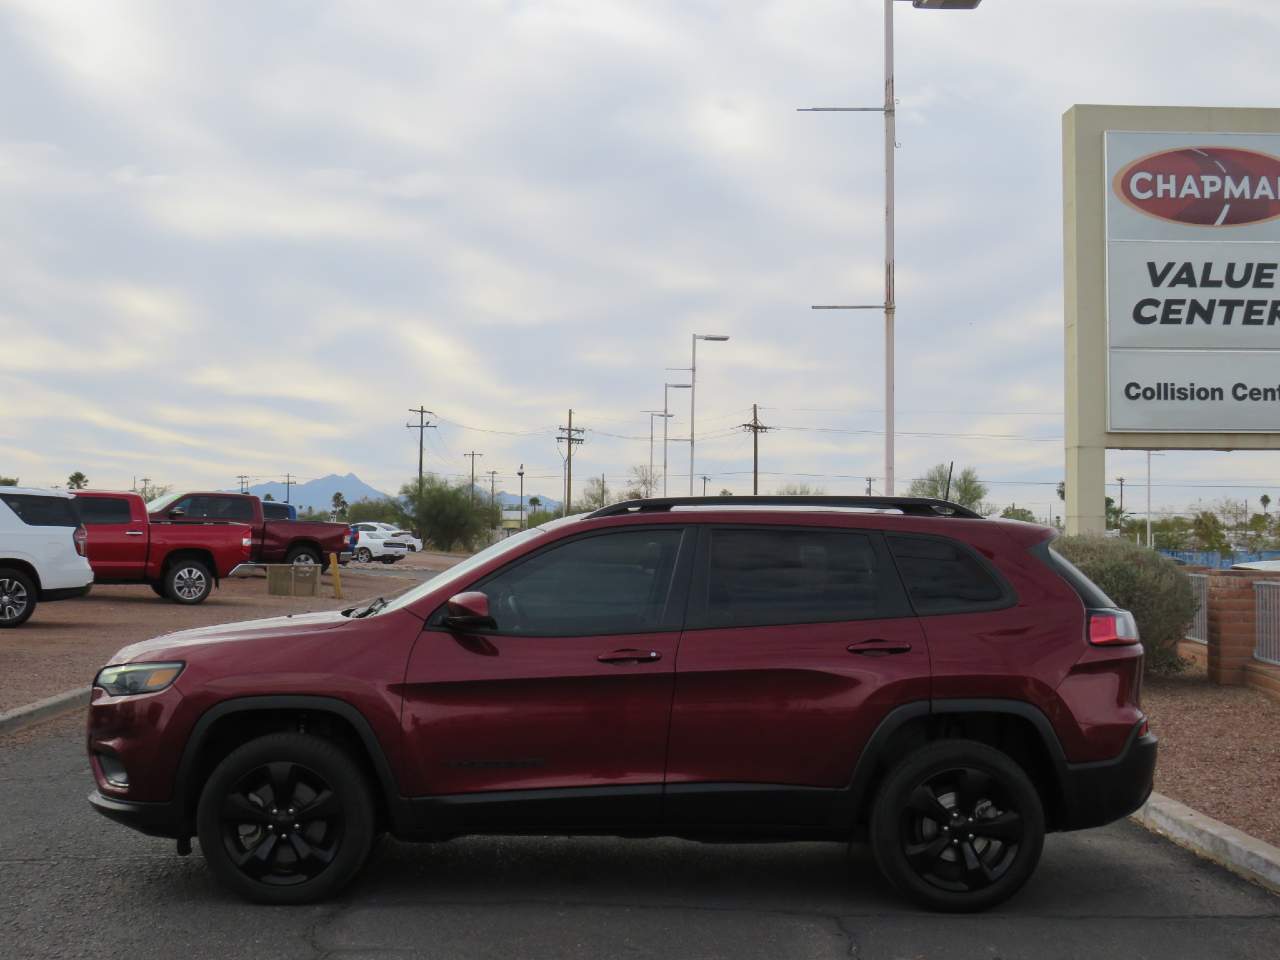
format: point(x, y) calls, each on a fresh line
point(741, 669)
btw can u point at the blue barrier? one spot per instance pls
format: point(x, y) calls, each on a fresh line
point(1218, 561)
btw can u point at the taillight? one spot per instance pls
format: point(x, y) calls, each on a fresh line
point(1110, 628)
point(80, 538)
point(246, 542)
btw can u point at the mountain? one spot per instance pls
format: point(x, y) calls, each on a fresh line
point(511, 501)
point(318, 493)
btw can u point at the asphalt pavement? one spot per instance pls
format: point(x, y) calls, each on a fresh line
point(75, 885)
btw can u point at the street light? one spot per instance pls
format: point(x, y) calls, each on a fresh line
point(890, 144)
point(693, 389)
point(652, 414)
point(520, 474)
point(666, 415)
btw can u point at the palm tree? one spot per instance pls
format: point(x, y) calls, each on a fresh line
point(77, 481)
point(1265, 501)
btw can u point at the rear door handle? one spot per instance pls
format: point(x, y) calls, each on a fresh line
point(879, 648)
point(630, 656)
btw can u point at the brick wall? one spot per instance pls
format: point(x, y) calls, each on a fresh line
point(1232, 626)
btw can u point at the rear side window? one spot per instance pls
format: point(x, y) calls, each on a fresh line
point(230, 508)
point(1089, 592)
point(37, 511)
point(942, 576)
point(273, 511)
point(99, 511)
point(762, 577)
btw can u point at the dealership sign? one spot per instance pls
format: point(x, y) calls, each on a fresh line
point(1193, 282)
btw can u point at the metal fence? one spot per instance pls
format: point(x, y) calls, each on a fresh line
point(1267, 646)
point(1199, 631)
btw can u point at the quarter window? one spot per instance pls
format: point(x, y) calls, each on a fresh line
point(99, 511)
point(37, 511)
point(943, 577)
point(763, 577)
point(608, 584)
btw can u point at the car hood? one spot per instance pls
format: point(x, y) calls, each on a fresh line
point(245, 631)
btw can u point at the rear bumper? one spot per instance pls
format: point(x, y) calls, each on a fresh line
point(153, 819)
point(1098, 793)
point(65, 593)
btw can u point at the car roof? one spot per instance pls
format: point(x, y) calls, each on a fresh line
point(37, 492)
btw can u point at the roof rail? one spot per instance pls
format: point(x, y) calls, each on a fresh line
point(912, 506)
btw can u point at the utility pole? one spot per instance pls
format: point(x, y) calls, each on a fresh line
point(145, 481)
point(1120, 480)
point(705, 478)
point(492, 496)
point(422, 426)
point(473, 456)
point(244, 482)
point(869, 481)
point(756, 428)
point(571, 437)
point(288, 485)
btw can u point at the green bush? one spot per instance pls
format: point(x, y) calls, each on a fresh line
point(1149, 585)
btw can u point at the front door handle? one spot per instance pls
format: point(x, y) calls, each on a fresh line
point(879, 648)
point(133, 533)
point(630, 656)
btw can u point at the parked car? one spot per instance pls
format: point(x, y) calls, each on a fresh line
point(42, 547)
point(274, 541)
point(373, 543)
point(181, 561)
point(1261, 566)
point(400, 533)
point(895, 669)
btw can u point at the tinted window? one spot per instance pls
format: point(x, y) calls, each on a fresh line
point(612, 583)
point(95, 511)
point(944, 577)
point(190, 506)
point(38, 511)
point(230, 508)
point(274, 511)
point(760, 577)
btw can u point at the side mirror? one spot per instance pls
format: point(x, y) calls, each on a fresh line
point(469, 611)
point(177, 514)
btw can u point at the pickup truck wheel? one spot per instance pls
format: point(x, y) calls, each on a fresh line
point(364, 555)
point(188, 582)
point(957, 826)
point(285, 819)
point(158, 589)
point(303, 556)
point(17, 597)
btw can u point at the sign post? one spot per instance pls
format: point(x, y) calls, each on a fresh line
point(1172, 263)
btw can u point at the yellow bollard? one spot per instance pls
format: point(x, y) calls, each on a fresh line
point(337, 576)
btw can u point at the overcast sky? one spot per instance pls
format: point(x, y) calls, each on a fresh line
point(245, 238)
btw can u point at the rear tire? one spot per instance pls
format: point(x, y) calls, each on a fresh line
point(188, 582)
point(957, 826)
point(317, 838)
point(364, 555)
point(18, 597)
point(303, 555)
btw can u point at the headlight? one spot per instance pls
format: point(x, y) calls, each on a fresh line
point(132, 678)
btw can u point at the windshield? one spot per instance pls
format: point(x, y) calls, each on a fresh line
point(159, 504)
point(460, 572)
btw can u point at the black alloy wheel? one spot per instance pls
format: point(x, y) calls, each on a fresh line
point(288, 818)
point(958, 826)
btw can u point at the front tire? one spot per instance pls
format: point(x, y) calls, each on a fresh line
point(957, 826)
point(286, 819)
point(188, 582)
point(17, 597)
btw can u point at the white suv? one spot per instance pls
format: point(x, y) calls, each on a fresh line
point(42, 551)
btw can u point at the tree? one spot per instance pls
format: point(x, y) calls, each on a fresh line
point(339, 503)
point(1115, 516)
point(383, 510)
point(447, 514)
point(966, 489)
point(539, 517)
point(642, 484)
point(1208, 532)
point(77, 481)
point(596, 495)
point(8, 481)
point(798, 490)
point(726, 492)
point(269, 497)
point(534, 503)
point(1265, 501)
point(1015, 512)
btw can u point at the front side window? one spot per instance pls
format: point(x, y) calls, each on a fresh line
point(762, 577)
point(612, 583)
point(100, 511)
point(37, 511)
point(944, 577)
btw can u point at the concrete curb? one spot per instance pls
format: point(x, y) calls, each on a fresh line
point(19, 718)
point(1212, 839)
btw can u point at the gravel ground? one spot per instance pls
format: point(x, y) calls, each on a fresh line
point(1219, 750)
point(65, 643)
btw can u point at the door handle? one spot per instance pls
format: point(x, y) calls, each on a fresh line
point(879, 648)
point(133, 533)
point(630, 656)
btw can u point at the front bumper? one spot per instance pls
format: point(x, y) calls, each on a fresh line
point(1098, 793)
point(153, 819)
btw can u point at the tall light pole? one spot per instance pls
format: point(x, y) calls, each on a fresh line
point(890, 145)
point(1150, 539)
point(652, 414)
point(520, 474)
point(666, 415)
point(693, 390)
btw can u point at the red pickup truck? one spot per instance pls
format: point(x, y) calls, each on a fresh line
point(180, 561)
point(274, 541)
